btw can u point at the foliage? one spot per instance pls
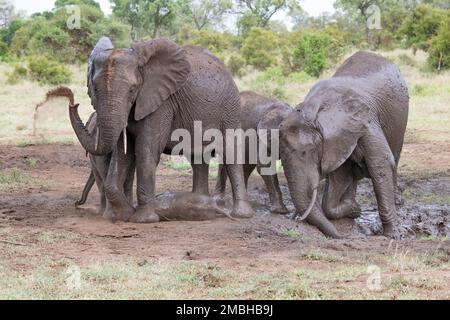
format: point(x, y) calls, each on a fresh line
point(422, 25)
point(46, 71)
point(146, 17)
point(259, 48)
point(19, 73)
point(439, 51)
point(262, 10)
point(236, 64)
point(214, 41)
point(205, 13)
point(51, 37)
point(312, 52)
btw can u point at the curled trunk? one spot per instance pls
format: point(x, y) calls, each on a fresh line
point(100, 142)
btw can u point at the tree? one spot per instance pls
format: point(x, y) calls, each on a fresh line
point(299, 17)
point(261, 10)
point(439, 51)
point(146, 16)
point(206, 13)
point(63, 3)
point(259, 48)
point(423, 24)
point(6, 13)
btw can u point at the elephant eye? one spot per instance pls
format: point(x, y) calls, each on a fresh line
point(132, 89)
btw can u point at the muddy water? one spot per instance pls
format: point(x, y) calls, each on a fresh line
point(424, 212)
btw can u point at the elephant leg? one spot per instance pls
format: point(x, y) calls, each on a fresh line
point(129, 171)
point(221, 183)
point(340, 192)
point(101, 189)
point(200, 178)
point(152, 135)
point(248, 169)
point(382, 170)
point(242, 207)
point(118, 171)
point(273, 188)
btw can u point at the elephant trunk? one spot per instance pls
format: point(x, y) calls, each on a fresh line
point(102, 140)
point(304, 194)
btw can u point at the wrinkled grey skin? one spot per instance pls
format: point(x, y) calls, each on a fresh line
point(99, 175)
point(259, 113)
point(348, 127)
point(188, 206)
point(157, 87)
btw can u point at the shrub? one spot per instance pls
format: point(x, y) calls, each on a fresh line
point(312, 52)
point(439, 51)
point(419, 27)
point(46, 71)
point(3, 49)
point(259, 48)
point(19, 73)
point(236, 64)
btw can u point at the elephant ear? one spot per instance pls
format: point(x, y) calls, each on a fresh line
point(341, 126)
point(104, 44)
point(165, 69)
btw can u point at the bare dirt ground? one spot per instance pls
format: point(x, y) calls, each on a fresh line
point(40, 217)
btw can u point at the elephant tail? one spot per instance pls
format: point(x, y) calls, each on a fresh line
point(86, 190)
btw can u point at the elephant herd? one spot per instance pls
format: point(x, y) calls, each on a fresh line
point(348, 127)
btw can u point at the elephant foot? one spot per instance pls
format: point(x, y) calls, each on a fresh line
point(319, 220)
point(242, 209)
point(108, 214)
point(125, 214)
point(355, 212)
point(390, 231)
point(219, 198)
point(145, 214)
point(279, 208)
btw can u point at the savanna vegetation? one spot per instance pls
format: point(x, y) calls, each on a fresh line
point(44, 239)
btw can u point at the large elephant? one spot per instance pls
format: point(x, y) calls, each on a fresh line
point(259, 113)
point(348, 127)
point(158, 87)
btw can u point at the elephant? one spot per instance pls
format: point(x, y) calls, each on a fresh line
point(100, 166)
point(168, 206)
point(348, 127)
point(158, 87)
point(259, 113)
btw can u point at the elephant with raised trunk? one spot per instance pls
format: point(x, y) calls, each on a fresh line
point(348, 127)
point(260, 113)
point(158, 87)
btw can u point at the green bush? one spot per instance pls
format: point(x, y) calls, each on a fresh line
point(312, 52)
point(439, 51)
point(420, 26)
point(46, 71)
point(259, 48)
point(3, 49)
point(18, 74)
point(236, 64)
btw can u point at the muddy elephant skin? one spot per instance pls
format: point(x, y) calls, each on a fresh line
point(348, 127)
point(157, 87)
point(259, 113)
point(99, 175)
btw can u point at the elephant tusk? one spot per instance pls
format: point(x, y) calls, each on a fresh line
point(310, 207)
point(97, 136)
point(125, 142)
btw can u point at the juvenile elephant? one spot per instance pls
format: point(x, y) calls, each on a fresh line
point(158, 87)
point(348, 127)
point(259, 113)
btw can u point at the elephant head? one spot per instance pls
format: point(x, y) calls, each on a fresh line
point(317, 139)
point(142, 77)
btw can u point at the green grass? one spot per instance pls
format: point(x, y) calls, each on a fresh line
point(13, 180)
